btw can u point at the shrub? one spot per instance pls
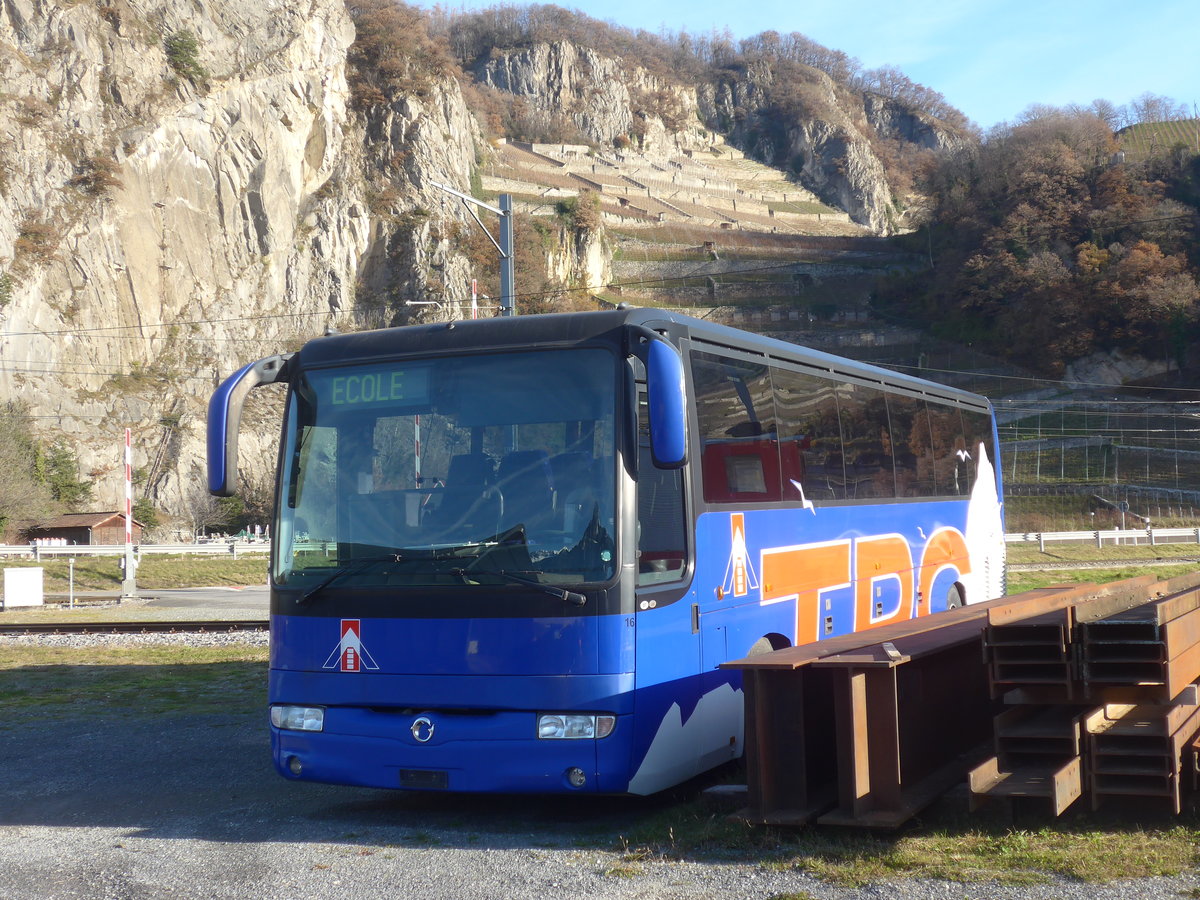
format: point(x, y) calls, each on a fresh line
point(33, 111)
point(98, 176)
point(183, 54)
point(582, 212)
point(38, 240)
point(393, 53)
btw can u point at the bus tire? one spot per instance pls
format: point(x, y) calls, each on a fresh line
point(954, 597)
point(766, 644)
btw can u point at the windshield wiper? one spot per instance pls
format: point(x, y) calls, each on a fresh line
point(573, 597)
point(358, 565)
point(513, 537)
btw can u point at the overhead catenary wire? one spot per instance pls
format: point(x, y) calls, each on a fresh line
point(665, 280)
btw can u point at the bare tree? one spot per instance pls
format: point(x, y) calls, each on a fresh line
point(1107, 112)
point(1155, 108)
point(200, 509)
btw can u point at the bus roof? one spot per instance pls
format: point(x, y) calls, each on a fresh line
point(566, 329)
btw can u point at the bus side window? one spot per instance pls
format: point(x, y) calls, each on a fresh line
point(912, 449)
point(810, 439)
point(949, 451)
point(978, 427)
point(739, 441)
point(866, 442)
point(662, 537)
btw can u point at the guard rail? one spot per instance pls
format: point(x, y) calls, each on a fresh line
point(222, 548)
point(1150, 536)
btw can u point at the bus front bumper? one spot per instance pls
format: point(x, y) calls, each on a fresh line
point(439, 751)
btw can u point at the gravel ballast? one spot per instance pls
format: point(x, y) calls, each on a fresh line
point(115, 806)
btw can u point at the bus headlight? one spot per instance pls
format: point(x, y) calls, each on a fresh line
point(574, 726)
point(298, 718)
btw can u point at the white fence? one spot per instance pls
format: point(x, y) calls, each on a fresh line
point(222, 548)
point(1150, 536)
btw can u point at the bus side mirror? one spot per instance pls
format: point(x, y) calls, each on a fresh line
point(224, 416)
point(667, 401)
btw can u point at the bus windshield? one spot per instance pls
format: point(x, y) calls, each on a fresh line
point(494, 469)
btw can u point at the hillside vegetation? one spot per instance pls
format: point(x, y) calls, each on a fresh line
point(1149, 140)
point(1045, 247)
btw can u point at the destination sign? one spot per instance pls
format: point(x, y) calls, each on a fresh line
point(392, 386)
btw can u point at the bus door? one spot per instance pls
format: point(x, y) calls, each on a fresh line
point(724, 589)
point(723, 622)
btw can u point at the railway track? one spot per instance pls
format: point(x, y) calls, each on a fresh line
point(211, 626)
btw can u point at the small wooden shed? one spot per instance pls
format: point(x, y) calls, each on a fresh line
point(87, 528)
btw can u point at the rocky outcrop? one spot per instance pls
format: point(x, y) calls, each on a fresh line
point(605, 99)
point(898, 122)
point(837, 165)
point(164, 220)
point(810, 128)
point(828, 149)
point(579, 258)
point(1113, 368)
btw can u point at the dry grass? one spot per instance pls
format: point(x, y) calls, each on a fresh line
point(96, 681)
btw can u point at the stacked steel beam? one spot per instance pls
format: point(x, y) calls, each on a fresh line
point(1136, 750)
point(852, 730)
point(888, 694)
point(1101, 696)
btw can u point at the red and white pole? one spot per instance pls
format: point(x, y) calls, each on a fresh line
point(128, 487)
point(129, 583)
point(474, 299)
point(417, 448)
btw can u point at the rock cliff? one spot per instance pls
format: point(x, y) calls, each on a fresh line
point(895, 121)
point(603, 97)
point(168, 214)
point(793, 117)
point(187, 187)
point(826, 135)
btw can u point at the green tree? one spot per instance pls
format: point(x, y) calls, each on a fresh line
point(24, 493)
point(59, 471)
point(183, 53)
point(146, 512)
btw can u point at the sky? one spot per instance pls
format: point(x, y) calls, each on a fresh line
point(990, 59)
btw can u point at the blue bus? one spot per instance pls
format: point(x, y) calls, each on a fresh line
point(511, 554)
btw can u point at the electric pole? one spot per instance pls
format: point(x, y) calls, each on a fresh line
point(504, 246)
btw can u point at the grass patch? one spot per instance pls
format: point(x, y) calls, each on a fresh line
point(622, 870)
point(1084, 853)
point(1161, 560)
point(1061, 552)
point(945, 845)
point(1149, 139)
point(802, 207)
point(148, 679)
point(1018, 582)
point(103, 573)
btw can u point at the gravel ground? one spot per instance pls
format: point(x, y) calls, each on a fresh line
point(113, 807)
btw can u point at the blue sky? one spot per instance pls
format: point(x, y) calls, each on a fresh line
point(990, 59)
